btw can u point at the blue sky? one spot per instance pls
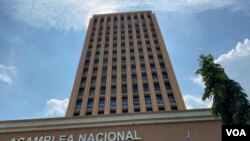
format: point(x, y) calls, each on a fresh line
point(41, 42)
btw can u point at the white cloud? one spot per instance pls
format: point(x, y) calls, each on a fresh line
point(7, 73)
point(56, 108)
point(198, 80)
point(236, 63)
point(193, 102)
point(75, 14)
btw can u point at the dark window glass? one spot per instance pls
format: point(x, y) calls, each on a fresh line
point(113, 79)
point(81, 92)
point(102, 91)
point(113, 103)
point(157, 87)
point(135, 89)
point(136, 101)
point(83, 81)
point(164, 75)
point(124, 89)
point(101, 103)
point(113, 90)
point(92, 92)
point(124, 102)
point(171, 98)
point(90, 104)
point(168, 86)
point(159, 100)
point(145, 88)
point(78, 104)
point(124, 78)
point(148, 100)
point(93, 81)
point(133, 77)
point(155, 78)
point(144, 77)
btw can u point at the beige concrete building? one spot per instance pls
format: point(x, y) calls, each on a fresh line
point(124, 68)
point(125, 90)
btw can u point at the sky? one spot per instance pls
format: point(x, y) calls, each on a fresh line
point(41, 43)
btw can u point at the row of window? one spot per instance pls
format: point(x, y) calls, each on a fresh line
point(124, 88)
point(136, 102)
point(122, 18)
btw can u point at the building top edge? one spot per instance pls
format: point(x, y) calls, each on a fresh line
point(120, 13)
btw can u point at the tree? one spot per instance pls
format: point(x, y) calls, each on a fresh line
point(229, 100)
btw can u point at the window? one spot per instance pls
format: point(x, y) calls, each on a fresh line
point(123, 60)
point(145, 88)
point(151, 60)
point(124, 89)
point(113, 90)
point(83, 81)
point(102, 91)
point(143, 69)
point(124, 110)
point(123, 69)
point(90, 104)
point(132, 60)
point(152, 66)
point(137, 109)
point(113, 79)
point(114, 61)
point(76, 114)
point(95, 71)
point(88, 113)
point(104, 71)
point(135, 89)
point(155, 78)
point(124, 78)
point(133, 77)
point(171, 99)
point(162, 66)
point(164, 75)
point(113, 70)
point(147, 100)
point(144, 77)
point(133, 70)
point(141, 59)
point(124, 102)
point(81, 91)
point(96, 62)
point(78, 104)
point(149, 109)
point(101, 103)
point(92, 92)
point(136, 101)
point(159, 100)
point(157, 87)
point(174, 108)
point(168, 86)
point(93, 81)
point(113, 103)
point(103, 79)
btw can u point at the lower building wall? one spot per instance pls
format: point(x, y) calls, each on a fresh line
point(198, 131)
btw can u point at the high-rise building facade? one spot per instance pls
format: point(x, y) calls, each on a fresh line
point(124, 68)
point(125, 73)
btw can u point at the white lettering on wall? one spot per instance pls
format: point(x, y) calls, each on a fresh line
point(62, 138)
point(106, 136)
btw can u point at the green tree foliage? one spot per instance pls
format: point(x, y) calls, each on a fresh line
point(229, 100)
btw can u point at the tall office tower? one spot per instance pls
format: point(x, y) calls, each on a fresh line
point(124, 68)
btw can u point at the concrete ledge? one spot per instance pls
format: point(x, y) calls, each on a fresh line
point(196, 115)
